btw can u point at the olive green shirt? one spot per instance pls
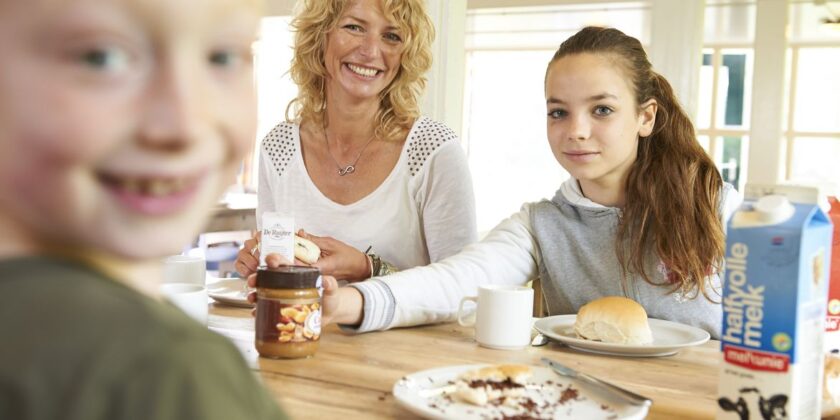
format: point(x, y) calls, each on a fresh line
point(77, 345)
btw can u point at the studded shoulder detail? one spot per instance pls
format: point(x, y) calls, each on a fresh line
point(280, 146)
point(428, 136)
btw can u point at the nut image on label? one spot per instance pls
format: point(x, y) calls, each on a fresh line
point(300, 322)
point(286, 327)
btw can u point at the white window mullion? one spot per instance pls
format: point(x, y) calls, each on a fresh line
point(444, 97)
point(714, 138)
point(767, 145)
point(676, 46)
point(791, 106)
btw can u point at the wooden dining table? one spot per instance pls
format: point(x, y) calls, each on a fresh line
point(352, 375)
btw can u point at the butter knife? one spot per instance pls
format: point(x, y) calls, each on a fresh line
point(627, 396)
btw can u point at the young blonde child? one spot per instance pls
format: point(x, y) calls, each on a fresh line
point(121, 122)
point(642, 216)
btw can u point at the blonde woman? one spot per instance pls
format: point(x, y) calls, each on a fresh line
point(377, 186)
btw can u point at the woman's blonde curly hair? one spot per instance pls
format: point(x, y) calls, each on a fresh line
point(399, 101)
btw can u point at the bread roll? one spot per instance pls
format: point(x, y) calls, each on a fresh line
point(831, 381)
point(613, 319)
point(306, 250)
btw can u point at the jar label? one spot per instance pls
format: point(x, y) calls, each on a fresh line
point(289, 322)
point(313, 321)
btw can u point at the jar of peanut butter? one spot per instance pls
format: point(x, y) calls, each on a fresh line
point(288, 312)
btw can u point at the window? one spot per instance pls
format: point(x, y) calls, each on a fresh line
point(723, 111)
point(813, 126)
point(812, 121)
point(507, 51)
point(275, 89)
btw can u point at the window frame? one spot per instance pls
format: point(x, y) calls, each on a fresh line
point(788, 131)
point(715, 133)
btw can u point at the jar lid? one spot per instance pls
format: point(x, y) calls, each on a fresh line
point(288, 277)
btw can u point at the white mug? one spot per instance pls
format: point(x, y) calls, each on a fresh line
point(189, 297)
point(503, 317)
point(184, 269)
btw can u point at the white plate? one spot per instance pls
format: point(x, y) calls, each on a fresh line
point(230, 292)
point(668, 337)
point(413, 393)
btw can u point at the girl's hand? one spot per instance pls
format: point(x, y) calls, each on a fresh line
point(331, 300)
point(248, 258)
point(338, 259)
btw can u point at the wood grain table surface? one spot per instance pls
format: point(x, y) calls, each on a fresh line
point(351, 376)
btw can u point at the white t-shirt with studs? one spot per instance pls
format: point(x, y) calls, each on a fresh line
point(423, 212)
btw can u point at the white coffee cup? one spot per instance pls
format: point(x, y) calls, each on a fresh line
point(503, 317)
point(184, 269)
point(189, 297)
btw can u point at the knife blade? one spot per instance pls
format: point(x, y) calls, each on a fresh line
point(628, 396)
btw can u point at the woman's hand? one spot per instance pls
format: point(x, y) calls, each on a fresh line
point(338, 259)
point(342, 305)
point(248, 258)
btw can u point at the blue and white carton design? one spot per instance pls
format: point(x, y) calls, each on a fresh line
point(775, 286)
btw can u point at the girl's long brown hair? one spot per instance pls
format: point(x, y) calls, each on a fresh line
point(673, 189)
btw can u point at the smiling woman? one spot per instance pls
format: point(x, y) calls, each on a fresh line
point(355, 163)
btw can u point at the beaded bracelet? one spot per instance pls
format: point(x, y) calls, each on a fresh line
point(379, 268)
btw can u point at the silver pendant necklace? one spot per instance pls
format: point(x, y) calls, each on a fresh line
point(349, 169)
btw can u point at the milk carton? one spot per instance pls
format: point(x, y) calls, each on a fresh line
point(775, 285)
point(832, 319)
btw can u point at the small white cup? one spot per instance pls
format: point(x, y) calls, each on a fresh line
point(190, 298)
point(503, 318)
point(184, 269)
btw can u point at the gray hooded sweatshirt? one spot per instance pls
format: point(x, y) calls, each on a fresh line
point(579, 264)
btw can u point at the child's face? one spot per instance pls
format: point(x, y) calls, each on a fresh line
point(122, 121)
point(593, 121)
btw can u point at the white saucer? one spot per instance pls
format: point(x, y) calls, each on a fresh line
point(232, 292)
point(668, 337)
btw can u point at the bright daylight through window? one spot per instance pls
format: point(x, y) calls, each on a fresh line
point(507, 51)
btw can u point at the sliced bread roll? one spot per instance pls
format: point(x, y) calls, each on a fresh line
point(831, 381)
point(498, 373)
point(614, 319)
point(485, 385)
point(306, 250)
